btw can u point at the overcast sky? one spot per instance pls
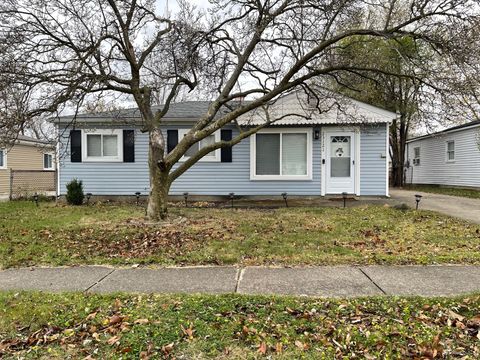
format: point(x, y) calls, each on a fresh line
point(173, 6)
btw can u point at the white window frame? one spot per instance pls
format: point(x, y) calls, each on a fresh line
point(253, 149)
point(214, 156)
point(117, 132)
point(4, 155)
point(416, 160)
point(447, 151)
point(53, 161)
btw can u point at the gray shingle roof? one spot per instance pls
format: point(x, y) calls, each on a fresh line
point(30, 139)
point(180, 110)
point(354, 112)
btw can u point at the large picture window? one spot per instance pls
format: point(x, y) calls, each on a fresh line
point(102, 145)
point(281, 154)
point(209, 140)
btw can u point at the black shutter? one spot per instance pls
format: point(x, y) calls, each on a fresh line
point(128, 145)
point(75, 145)
point(172, 139)
point(226, 152)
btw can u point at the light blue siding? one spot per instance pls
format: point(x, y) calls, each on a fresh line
point(222, 178)
point(107, 178)
point(373, 160)
point(216, 178)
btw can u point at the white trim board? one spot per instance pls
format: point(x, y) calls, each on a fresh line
point(308, 131)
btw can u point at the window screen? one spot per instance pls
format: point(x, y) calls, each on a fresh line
point(94, 145)
point(294, 154)
point(451, 150)
point(267, 160)
point(47, 161)
point(110, 146)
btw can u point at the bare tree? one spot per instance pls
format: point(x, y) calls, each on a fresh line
point(262, 49)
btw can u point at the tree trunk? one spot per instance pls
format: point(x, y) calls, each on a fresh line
point(159, 183)
point(398, 155)
point(397, 168)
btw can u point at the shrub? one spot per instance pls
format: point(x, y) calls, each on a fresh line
point(75, 193)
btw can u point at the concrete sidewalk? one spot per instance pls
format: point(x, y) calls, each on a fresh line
point(325, 281)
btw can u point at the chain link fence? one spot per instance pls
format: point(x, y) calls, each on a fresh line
point(26, 183)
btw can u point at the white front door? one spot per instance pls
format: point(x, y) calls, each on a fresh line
point(340, 162)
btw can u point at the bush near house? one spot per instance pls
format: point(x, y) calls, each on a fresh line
point(75, 193)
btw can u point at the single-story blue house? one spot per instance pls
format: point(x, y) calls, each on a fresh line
point(305, 153)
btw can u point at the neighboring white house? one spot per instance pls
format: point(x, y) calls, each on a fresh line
point(450, 157)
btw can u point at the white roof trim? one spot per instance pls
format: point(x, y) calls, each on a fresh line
point(441, 133)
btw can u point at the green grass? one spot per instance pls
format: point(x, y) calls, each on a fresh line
point(119, 235)
point(468, 193)
point(74, 325)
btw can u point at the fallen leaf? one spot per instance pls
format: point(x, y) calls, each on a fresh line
point(475, 320)
point(115, 319)
point(113, 340)
point(262, 348)
point(91, 315)
point(299, 344)
point(188, 331)
point(167, 349)
point(455, 316)
point(69, 332)
point(144, 355)
point(118, 304)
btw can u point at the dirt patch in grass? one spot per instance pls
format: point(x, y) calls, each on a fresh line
point(136, 238)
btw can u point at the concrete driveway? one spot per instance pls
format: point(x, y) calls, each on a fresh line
point(456, 206)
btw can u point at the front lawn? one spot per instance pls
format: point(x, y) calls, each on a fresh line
point(118, 234)
point(79, 326)
point(468, 193)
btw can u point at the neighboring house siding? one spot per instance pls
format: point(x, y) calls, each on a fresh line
point(23, 157)
point(4, 182)
point(217, 178)
point(373, 160)
point(434, 168)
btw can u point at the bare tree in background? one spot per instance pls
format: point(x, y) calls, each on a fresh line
point(69, 49)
